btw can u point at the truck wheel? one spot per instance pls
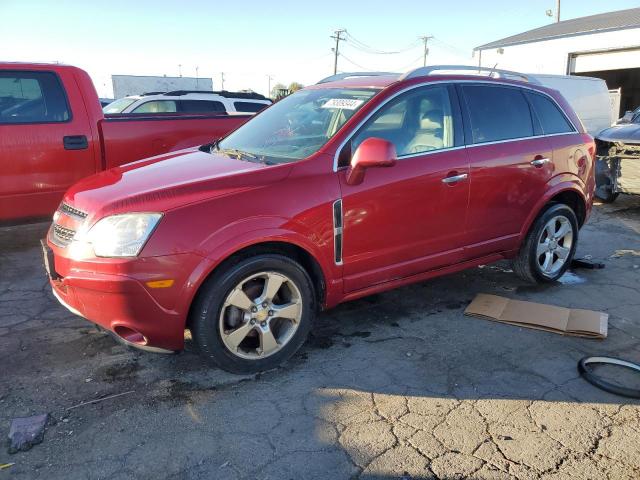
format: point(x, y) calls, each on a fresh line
point(255, 314)
point(549, 246)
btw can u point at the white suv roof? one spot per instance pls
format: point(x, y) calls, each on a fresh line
point(190, 101)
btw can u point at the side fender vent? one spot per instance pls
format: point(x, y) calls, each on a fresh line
point(337, 231)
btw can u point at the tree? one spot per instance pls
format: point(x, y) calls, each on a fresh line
point(277, 90)
point(295, 86)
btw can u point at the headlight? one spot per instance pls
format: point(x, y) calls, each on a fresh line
point(120, 235)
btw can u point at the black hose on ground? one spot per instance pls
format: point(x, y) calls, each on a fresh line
point(589, 376)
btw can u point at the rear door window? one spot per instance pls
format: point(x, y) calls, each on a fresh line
point(156, 106)
point(201, 106)
point(550, 116)
point(250, 107)
point(32, 97)
point(497, 113)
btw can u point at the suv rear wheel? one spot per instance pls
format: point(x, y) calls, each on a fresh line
point(255, 314)
point(549, 247)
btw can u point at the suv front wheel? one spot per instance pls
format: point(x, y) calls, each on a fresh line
point(255, 314)
point(549, 247)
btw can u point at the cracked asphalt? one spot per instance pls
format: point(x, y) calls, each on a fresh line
point(396, 385)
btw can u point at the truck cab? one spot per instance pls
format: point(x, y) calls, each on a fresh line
point(53, 133)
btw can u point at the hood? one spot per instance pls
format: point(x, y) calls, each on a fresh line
point(629, 133)
point(168, 181)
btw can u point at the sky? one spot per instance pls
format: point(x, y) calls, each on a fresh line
point(250, 40)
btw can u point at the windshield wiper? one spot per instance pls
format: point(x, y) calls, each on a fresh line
point(239, 154)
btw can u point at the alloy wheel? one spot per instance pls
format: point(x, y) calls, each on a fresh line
point(260, 315)
point(554, 245)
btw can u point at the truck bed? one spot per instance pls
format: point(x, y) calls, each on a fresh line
point(127, 138)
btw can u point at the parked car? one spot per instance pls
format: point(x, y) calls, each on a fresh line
point(105, 101)
point(53, 133)
point(344, 189)
point(630, 116)
point(190, 101)
point(618, 161)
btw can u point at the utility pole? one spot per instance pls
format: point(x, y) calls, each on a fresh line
point(197, 77)
point(425, 39)
point(221, 80)
point(337, 37)
point(269, 78)
point(557, 10)
point(179, 69)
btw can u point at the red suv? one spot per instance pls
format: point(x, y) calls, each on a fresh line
point(346, 188)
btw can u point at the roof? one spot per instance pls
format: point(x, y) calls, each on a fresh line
point(380, 81)
point(609, 21)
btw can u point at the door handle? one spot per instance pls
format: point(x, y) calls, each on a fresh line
point(538, 162)
point(455, 178)
point(75, 142)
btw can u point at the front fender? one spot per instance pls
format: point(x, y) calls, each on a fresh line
point(254, 231)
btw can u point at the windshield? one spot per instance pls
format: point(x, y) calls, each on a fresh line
point(119, 105)
point(296, 126)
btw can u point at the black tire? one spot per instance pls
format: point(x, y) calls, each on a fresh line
point(206, 312)
point(606, 195)
point(526, 264)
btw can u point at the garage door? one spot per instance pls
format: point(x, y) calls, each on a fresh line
point(609, 60)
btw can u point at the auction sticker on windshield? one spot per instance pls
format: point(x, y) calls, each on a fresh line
point(344, 103)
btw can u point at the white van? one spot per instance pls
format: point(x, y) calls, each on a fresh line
point(588, 96)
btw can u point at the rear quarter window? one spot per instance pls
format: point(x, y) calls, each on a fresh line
point(201, 106)
point(551, 117)
point(250, 107)
point(32, 97)
point(497, 113)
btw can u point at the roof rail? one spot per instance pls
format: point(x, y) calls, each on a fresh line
point(342, 76)
point(177, 93)
point(222, 93)
point(424, 71)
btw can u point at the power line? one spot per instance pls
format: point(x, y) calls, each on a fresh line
point(371, 50)
point(357, 64)
point(410, 64)
point(401, 69)
point(451, 48)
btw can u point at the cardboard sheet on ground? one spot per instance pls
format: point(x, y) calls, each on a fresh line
point(566, 321)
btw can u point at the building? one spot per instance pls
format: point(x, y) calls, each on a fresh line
point(605, 46)
point(124, 85)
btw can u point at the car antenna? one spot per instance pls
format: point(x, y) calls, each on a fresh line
point(493, 69)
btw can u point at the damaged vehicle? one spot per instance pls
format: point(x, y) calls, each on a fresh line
point(618, 161)
point(350, 187)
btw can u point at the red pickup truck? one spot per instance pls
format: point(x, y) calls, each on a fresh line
point(53, 133)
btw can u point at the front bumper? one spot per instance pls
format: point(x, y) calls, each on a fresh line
point(123, 303)
point(618, 167)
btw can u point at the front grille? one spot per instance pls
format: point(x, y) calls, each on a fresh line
point(69, 210)
point(62, 236)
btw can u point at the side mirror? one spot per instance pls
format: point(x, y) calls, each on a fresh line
point(373, 152)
